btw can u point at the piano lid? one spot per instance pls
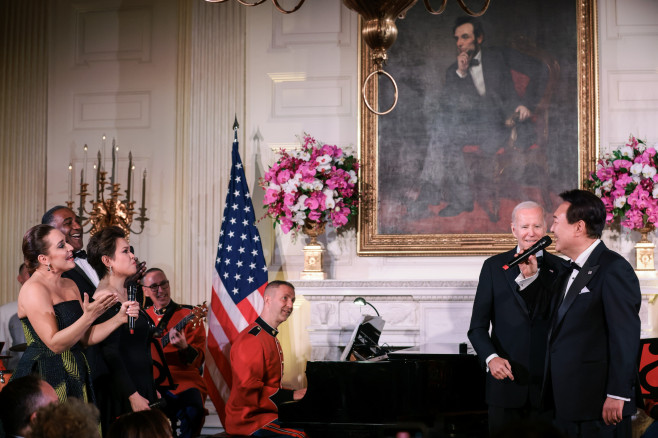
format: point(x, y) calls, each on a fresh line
point(430, 351)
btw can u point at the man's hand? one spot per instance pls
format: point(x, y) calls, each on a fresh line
point(523, 112)
point(177, 339)
point(141, 268)
point(500, 368)
point(463, 63)
point(612, 410)
point(299, 394)
point(529, 267)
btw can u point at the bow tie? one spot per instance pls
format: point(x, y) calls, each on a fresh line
point(82, 254)
point(571, 265)
point(474, 62)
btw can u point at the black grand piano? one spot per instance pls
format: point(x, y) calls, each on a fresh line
point(426, 391)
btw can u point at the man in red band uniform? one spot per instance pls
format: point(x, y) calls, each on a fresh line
point(184, 355)
point(257, 367)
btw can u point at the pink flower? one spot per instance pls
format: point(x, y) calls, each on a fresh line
point(312, 203)
point(271, 196)
point(625, 164)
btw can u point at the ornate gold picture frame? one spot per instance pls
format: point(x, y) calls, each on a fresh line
point(391, 146)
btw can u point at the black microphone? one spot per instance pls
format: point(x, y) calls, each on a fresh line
point(132, 296)
point(541, 244)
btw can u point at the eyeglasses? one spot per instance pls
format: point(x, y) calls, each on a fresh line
point(155, 286)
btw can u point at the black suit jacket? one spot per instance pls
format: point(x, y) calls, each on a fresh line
point(516, 334)
point(81, 280)
point(471, 119)
point(594, 337)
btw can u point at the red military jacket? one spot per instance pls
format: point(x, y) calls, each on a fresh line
point(184, 365)
point(257, 367)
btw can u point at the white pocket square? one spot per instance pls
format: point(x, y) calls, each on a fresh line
point(584, 291)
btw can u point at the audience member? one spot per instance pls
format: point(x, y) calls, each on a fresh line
point(513, 353)
point(56, 321)
point(10, 332)
point(19, 401)
point(142, 424)
point(130, 385)
point(73, 419)
point(257, 368)
point(183, 354)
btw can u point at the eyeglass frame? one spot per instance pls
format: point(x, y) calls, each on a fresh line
point(164, 284)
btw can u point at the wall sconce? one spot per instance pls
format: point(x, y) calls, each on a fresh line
point(360, 301)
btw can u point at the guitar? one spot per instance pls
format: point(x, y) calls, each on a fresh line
point(199, 313)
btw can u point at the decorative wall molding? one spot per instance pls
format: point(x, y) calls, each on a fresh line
point(312, 97)
point(303, 27)
point(110, 33)
point(633, 90)
point(112, 110)
point(631, 18)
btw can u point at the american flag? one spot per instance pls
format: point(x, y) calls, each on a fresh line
point(238, 283)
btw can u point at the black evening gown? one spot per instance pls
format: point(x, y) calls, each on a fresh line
point(128, 358)
point(67, 372)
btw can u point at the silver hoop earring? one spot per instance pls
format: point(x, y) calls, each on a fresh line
point(48, 267)
point(110, 270)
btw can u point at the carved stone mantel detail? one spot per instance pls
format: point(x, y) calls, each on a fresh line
point(415, 311)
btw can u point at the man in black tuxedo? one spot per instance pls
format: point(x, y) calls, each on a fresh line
point(513, 354)
point(594, 338)
point(66, 221)
point(479, 107)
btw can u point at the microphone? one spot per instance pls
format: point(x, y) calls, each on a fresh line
point(132, 296)
point(541, 244)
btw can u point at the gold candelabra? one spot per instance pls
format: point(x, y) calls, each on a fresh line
point(108, 210)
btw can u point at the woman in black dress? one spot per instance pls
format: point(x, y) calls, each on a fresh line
point(130, 387)
point(57, 323)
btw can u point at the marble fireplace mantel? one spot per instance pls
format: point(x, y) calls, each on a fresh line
point(415, 311)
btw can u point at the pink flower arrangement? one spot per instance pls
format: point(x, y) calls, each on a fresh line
point(627, 183)
point(317, 183)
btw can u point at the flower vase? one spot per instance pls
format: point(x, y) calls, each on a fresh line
point(644, 250)
point(313, 252)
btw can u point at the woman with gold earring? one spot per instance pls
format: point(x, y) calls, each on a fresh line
point(57, 323)
point(130, 385)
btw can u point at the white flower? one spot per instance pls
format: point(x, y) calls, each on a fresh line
point(648, 171)
point(292, 184)
point(620, 202)
point(329, 198)
point(626, 151)
point(323, 159)
point(299, 205)
point(640, 147)
point(597, 192)
point(607, 185)
point(636, 169)
point(317, 185)
point(275, 187)
point(654, 193)
point(636, 178)
point(299, 217)
point(353, 178)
